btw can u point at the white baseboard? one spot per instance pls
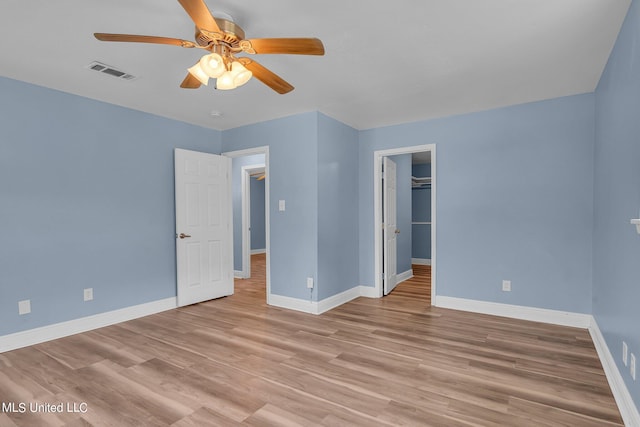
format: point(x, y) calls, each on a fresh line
point(420, 261)
point(290, 303)
point(623, 398)
point(238, 274)
point(405, 275)
point(84, 324)
point(368, 292)
point(556, 317)
point(338, 299)
point(319, 307)
point(258, 251)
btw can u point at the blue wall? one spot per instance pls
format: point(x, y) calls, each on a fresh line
point(258, 230)
point(514, 201)
point(236, 191)
point(293, 169)
point(338, 207)
point(421, 212)
point(87, 200)
point(616, 265)
point(403, 211)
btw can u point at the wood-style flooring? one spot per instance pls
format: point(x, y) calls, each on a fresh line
point(416, 288)
point(371, 362)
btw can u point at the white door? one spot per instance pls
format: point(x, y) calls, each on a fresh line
point(390, 230)
point(204, 234)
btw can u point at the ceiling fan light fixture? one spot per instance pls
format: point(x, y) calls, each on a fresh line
point(197, 72)
point(225, 81)
point(213, 65)
point(240, 74)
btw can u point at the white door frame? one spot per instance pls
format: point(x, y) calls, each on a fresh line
point(248, 152)
point(377, 212)
point(246, 172)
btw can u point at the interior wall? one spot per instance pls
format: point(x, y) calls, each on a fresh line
point(337, 207)
point(87, 192)
point(616, 256)
point(514, 201)
point(293, 170)
point(258, 230)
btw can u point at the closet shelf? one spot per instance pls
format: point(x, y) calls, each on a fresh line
point(420, 223)
point(417, 182)
point(636, 222)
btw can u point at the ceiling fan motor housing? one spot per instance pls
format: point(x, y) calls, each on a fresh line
point(231, 34)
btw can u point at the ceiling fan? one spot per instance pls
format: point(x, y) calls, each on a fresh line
point(224, 39)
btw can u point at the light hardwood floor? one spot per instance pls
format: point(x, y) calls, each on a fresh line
point(371, 362)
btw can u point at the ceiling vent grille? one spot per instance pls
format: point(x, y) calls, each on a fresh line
point(107, 69)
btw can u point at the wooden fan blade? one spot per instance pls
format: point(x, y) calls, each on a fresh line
point(199, 13)
point(190, 82)
point(266, 76)
point(106, 37)
point(292, 46)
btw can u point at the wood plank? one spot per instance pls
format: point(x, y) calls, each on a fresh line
point(371, 362)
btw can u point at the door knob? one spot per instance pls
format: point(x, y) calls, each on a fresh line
point(397, 231)
point(182, 235)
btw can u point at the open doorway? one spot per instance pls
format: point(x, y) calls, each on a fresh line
point(253, 227)
point(249, 167)
point(404, 240)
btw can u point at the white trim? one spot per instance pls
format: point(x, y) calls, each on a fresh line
point(621, 394)
point(238, 274)
point(338, 299)
point(258, 251)
point(556, 317)
point(377, 211)
point(420, 261)
point(405, 275)
point(297, 304)
point(313, 307)
point(368, 292)
point(83, 324)
point(267, 184)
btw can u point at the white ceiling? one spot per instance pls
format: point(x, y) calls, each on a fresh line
point(386, 62)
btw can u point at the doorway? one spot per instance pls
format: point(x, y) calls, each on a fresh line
point(245, 163)
point(381, 239)
point(253, 179)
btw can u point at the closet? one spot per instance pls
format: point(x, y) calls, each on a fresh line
point(421, 214)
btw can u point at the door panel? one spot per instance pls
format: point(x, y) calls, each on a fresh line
point(390, 225)
point(204, 240)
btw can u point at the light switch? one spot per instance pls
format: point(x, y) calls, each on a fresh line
point(281, 205)
point(24, 307)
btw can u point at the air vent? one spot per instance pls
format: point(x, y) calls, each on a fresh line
point(107, 69)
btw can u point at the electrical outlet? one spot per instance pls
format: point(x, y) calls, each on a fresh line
point(281, 205)
point(24, 307)
point(625, 353)
point(309, 282)
point(88, 294)
point(632, 368)
point(506, 285)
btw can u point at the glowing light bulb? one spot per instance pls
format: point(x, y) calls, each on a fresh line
point(225, 81)
point(212, 65)
point(240, 74)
